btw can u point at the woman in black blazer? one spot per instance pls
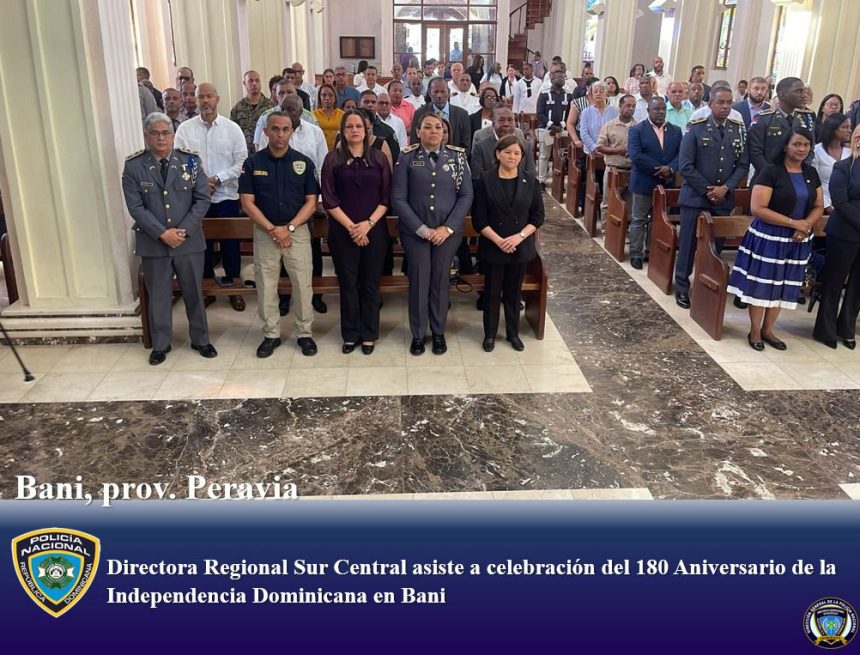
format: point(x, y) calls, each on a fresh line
point(843, 254)
point(507, 211)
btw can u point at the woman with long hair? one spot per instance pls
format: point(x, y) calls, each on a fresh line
point(494, 76)
point(506, 90)
point(787, 202)
point(830, 106)
point(613, 91)
point(327, 113)
point(843, 254)
point(507, 211)
point(476, 70)
point(356, 188)
point(835, 133)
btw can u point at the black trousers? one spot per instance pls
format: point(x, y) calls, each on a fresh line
point(843, 260)
point(502, 283)
point(358, 269)
point(231, 257)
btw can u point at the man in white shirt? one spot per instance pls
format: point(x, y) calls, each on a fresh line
point(456, 71)
point(416, 93)
point(283, 89)
point(303, 85)
point(221, 146)
point(383, 110)
point(464, 98)
point(643, 99)
point(526, 92)
point(663, 78)
point(370, 77)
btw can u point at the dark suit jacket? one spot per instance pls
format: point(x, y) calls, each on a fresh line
point(491, 209)
point(458, 119)
point(646, 155)
point(483, 159)
point(475, 124)
point(844, 222)
point(743, 109)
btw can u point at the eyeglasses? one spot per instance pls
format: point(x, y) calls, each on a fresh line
point(163, 133)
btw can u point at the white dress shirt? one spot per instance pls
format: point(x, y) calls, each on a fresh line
point(452, 88)
point(377, 89)
point(307, 139)
point(823, 163)
point(663, 81)
point(222, 151)
point(467, 101)
point(522, 102)
point(415, 101)
point(396, 124)
point(311, 90)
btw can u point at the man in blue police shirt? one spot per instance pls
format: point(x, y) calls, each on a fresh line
point(713, 161)
point(167, 195)
point(279, 192)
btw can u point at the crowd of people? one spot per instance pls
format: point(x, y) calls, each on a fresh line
point(436, 142)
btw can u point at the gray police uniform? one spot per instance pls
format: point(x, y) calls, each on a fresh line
point(707, 158)
point(431, 193)
point(769, 133)
point(157, 205)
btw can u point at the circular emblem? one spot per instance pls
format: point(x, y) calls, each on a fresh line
point(830, 623)
point(56, 572)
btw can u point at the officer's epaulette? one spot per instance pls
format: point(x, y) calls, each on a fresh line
point(700, 119)
point(188, 151)
point(135, 154)
point(414, 146)
point(455, 148)
point(736, 121)
point(801, 110)
point(769, 110)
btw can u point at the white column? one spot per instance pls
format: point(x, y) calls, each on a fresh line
point(834, 56)
point(614, 42)
point(751, 41)
point(503, 32)
point(62, 163)
point(564, 34)
point(153, 34)
point(696, 26)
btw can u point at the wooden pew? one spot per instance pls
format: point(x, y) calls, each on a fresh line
point(617, 214)
point(574, 179)
point(528, 123)
point(665, 231)
point(591, 206)
point(560, 162)
point(534, 289)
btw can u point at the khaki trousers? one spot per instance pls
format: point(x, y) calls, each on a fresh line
point(267, 270)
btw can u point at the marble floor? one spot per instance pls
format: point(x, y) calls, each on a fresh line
point(661, 415)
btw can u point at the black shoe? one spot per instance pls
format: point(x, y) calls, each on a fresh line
point(319, 306)
point(309, 348)
point(826, 342)
point(755, 345)
point(516, 344)
point(682, 300)
point(237, 303)
point(157, 357)
point(740, 304)
point(488, 345)
point(636, 262)
point(417, 347)
point(208, 300)
point(440, 347)
point(267, 347)
point(367, 348)
point(284, 305)
point(851, 344)
point(481, 303)
point(208, 351)
point(347, 348)
point(774, 343)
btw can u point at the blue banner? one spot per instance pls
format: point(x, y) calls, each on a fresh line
point(693, 577)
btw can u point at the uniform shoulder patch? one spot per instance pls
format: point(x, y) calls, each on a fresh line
point(769, 110)
point(455, 148)
point(188, 151)
point(414, 146)
point(804, 111)
point(700, 119)
point(736, 121)
point(135, 154)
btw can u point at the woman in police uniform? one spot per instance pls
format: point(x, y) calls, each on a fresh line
point(431, 194)
point(507, 212)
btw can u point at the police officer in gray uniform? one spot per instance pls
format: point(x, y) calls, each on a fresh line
point(431, 193)
point(167, 195)
point(713, 161)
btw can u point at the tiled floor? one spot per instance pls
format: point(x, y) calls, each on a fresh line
point(121, 372)
point(805, 365)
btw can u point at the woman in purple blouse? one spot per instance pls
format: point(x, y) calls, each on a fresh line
point(356, 183)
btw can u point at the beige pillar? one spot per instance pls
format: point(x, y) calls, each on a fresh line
point(614, 43)
point(751, 41)
point(696, 25)
point(152, 23)
point(268, 30)
point(564, 34)
point(62, 159)
point(834, 58)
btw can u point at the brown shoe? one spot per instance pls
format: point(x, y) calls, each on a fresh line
point(237, 303)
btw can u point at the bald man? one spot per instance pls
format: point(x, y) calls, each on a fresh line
point(221, 147)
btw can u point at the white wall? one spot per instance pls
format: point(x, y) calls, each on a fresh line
point(356, 18)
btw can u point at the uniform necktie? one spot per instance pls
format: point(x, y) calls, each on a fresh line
point(163, 163)
point(722, 130)
point(433, 157)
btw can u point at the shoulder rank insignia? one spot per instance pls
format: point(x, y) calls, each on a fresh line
point(455, 148)
point(736, 121)
point(188, 151)
point(769, 110)
point(804, 111)
point(700, 119)
point(135, 154)
point(414, 146)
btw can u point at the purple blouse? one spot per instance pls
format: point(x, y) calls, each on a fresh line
point(355, 187)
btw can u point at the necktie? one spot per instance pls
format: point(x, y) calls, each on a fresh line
point(163, 163)
point(433, 157)
point(722, 130)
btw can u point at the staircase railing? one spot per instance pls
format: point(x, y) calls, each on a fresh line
point(517, 20)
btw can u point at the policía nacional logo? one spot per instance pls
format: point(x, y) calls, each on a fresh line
point(830, 623)
point(56, 566)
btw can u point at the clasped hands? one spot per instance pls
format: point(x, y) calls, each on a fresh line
point(173, 237)
point(281, 236)
point(509, 244)
point(663, 171)
point(716, 194)
point(358, 233)
point(802, 229)
point(438, 235)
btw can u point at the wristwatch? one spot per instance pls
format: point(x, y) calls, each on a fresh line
point(450, 231)
point(371, 222)
point(522, 235)
point(217, 181)
point(291, 228)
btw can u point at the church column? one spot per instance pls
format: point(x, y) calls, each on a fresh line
point(696, 25)
point(153, 35)
point(269, 38)
point(834, 57)
point(61, 166)
point(751, 41)
point(564, 32)
point(614, 41)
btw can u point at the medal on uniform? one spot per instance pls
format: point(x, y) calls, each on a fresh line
point(446, 168)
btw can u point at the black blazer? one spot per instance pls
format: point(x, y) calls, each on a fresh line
point(783, 198)
point(461, 131)
point(490, 208)
point(844, 222)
